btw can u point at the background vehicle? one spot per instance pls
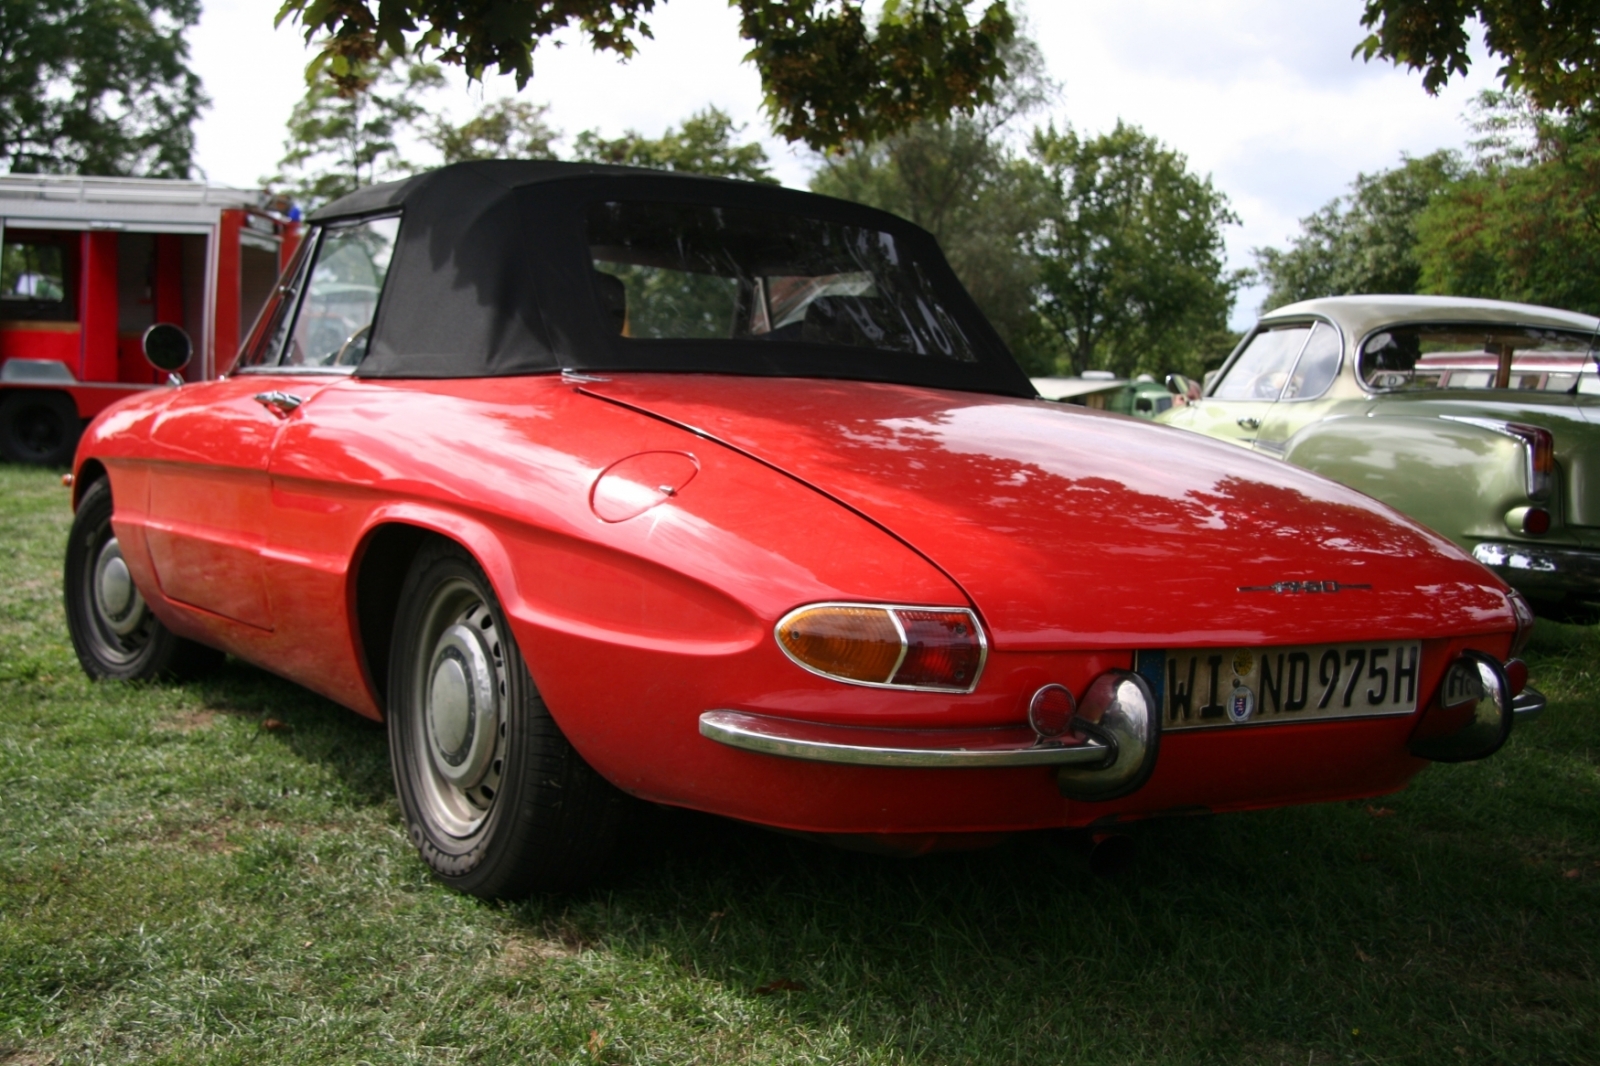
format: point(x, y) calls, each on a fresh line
point(1102, 391)
point(1476, 417)
point(88, 264)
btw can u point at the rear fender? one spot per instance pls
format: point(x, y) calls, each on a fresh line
point(1457, 478)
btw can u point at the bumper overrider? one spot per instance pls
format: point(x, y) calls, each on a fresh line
point(1559, 581)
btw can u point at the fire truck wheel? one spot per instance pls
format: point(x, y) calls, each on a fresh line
point(39, 427)
point(116, 636)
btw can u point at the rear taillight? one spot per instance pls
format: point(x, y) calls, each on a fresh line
point(1539, 447)
point(936, 648)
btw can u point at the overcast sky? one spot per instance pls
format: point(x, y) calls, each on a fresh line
point(1260, 94)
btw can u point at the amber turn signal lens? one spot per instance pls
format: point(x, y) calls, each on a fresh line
point(850, 643)
point(896, 647)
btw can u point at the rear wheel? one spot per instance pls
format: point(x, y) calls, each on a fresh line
point(38, 426)
point(494, 798)
point(113, 632)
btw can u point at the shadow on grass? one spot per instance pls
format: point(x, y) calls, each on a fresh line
point(314, 729)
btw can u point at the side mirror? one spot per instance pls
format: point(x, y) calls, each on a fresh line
point(167, 347)
point(1182, 385)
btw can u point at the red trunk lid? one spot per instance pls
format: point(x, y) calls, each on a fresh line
point(1073, 528)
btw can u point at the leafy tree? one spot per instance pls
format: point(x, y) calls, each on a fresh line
point(1549, 49)
point(1130, 253)
point(704, 144)
point(98, 87)
point(506, 129)
point(957, 179)
point(1364, 241)
point(342, 139)
point(1525, 223)
point(827, 75)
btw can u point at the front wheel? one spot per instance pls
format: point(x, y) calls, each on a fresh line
point(494, 798)
point(116, 636)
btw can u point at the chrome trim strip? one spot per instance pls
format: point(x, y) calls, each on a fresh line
point(917, 747)
point(1528, 704)
point(905, 646)
point(977, 627)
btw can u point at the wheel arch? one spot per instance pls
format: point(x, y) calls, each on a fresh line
point(91, 471)
point(382, 560)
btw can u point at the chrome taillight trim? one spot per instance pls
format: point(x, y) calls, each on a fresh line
point(905, 645)
point(1538, 483)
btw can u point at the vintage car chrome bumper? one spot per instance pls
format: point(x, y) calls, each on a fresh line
point(972, 748)
point(1543, 573)
point(1108, 750)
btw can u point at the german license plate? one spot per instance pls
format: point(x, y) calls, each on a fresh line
point(1201, 688)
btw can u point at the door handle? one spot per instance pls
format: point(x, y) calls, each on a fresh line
point(1244, 423)
point(282, 404)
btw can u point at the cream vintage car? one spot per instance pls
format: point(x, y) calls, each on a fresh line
point(1479, 418)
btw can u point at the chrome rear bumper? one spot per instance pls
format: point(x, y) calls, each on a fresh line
point(1528, 704)
point(1544, 574)
point(955, 748)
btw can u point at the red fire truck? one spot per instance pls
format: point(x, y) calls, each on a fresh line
point(88, 264)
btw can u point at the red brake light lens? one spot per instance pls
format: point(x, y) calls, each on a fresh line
point(942, 650)
point(889, 647)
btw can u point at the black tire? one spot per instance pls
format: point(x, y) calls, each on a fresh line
point(38, 426)
point(113, 632)
point(494, 798)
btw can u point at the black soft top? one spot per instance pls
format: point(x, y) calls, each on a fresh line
point(492, 276)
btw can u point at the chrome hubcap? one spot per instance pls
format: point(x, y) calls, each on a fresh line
point(462, 689)
point(116, 600)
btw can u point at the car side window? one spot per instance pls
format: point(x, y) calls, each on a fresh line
point(1261, 371)
point(334, 322)
point(1319, 363)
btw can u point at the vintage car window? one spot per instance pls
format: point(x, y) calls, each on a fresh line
point(1314, 371)
point(33, 281)
point(690, 272)
point(1262, 369)
point(1475, 356)
point(334, 323)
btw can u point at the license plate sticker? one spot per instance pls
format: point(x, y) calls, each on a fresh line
point(1203, 688)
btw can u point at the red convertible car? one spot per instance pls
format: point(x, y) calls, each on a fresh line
point(597, 483)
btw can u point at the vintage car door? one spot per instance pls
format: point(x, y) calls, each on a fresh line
point(1250, 384)
point(210, 507)
point(208, 499)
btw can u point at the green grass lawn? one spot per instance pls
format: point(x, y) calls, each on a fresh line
point(215, 873)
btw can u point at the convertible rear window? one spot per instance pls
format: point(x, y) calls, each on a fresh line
point(667, 271)
point(1478, 356)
